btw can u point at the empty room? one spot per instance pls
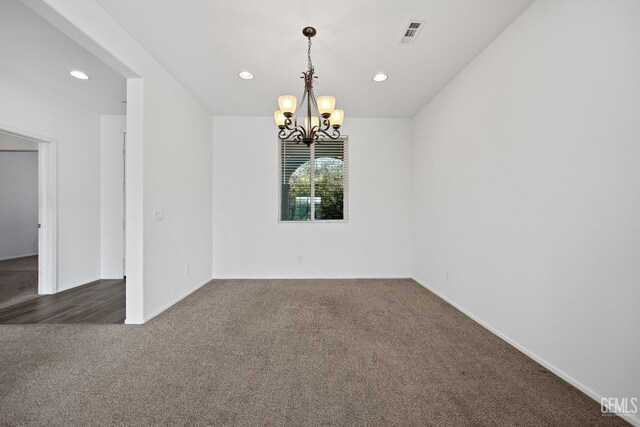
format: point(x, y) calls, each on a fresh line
point(417, 213)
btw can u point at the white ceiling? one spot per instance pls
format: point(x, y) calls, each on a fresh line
point(36, 51)
point(205, 43)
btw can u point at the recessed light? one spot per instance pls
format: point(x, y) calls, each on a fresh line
point(380, 77)
point(245, 75)
point(79, 75)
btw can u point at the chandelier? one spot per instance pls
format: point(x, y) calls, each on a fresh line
point(321, 119)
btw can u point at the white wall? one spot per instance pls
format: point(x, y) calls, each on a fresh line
point(527, 190)
point(168, 163)
point(18, 204)
point(250, 243)
point(112, 129)
point(177, 180)
point(36, 110)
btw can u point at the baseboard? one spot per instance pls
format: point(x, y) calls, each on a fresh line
point(19, 256)
point(175, 301)
point(634, 420)
point(120, 277)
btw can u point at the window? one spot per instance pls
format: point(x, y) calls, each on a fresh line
point(317, 173)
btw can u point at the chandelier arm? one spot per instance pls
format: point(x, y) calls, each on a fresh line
point(333, 135)
point(303, 100)
point(326, 124)
point(310, 122)
point(293, 128)
point(283, 135)
point(314, 102)
point(288, 124)
point(314, 108)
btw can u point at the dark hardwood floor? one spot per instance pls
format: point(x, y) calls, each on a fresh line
point(102, 301)
point(18, 280)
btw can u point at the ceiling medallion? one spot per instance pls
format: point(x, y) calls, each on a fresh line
point(321, 119)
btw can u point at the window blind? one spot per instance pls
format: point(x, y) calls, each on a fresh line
point(313, 181)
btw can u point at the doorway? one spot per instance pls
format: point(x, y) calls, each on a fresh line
point(18, 220)
point(27, 215)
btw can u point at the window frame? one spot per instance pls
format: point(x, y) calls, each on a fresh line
point(345, 178)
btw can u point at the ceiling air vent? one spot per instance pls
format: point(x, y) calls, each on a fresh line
point(412, 31)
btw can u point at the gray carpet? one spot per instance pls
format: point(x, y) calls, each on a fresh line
point(18, 280)
point(315, 352)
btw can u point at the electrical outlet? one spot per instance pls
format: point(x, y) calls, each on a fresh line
point(186, 270)
point(448, 277)
point(300, 259)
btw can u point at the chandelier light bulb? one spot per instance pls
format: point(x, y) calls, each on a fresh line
point(279, 118)
point(337, 117)
point(326, 105)
point(287, 104)
point(315, 123)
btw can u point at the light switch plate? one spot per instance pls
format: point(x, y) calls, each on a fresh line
point(158, 215)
